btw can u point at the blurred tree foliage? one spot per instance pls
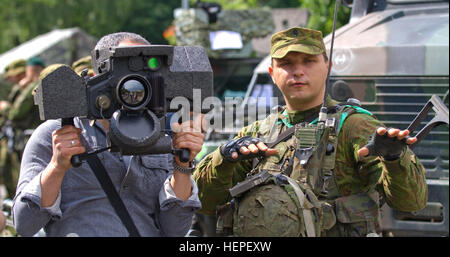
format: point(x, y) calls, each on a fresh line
point(247, 4)
point(322, 12)
point(21, 20)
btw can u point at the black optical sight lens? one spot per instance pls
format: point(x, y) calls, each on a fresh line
point(134, 92)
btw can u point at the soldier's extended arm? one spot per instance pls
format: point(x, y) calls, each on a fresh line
point(401, 180)
point(215, 175)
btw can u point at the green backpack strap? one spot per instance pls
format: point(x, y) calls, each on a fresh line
point(345, 114)
point(307, 213)
point(323, 184)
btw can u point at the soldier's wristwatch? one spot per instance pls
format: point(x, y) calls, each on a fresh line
point(185, 170)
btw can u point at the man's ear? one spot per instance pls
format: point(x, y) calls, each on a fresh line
point(329, 62)
point(271, 73)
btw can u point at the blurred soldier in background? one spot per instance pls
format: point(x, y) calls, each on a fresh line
point(7, 204)
point(5, 88)
point(19, 117)
point(2, 220)
point(14, 72)
point(83, 63)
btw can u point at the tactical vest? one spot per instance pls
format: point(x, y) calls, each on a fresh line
point(304, 170)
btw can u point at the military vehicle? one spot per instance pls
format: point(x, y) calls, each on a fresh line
point(393, 55)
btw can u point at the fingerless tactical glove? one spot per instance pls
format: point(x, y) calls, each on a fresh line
point(390, 148)
point(234, 145)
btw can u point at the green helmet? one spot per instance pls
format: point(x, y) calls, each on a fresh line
point(267, 211)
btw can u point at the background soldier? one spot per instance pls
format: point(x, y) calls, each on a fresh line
point(20, 117)
point(5, 88)
point(14, 72)
point(333, 191)
point(83, 63)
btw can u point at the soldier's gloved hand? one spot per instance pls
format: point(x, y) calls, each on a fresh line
point(245, 148)
point(388, 143)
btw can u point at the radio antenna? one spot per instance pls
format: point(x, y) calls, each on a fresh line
point(323, 109)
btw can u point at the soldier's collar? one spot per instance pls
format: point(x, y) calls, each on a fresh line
point(289, 118)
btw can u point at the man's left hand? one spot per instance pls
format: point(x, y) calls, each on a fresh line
point(188, 135)
point(388, 143)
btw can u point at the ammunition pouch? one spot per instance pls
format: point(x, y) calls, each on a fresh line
point(356, 215)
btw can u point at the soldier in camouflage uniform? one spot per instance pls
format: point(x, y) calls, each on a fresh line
point(5, 88)
point(10, 230)
point(343, 194)
point(14, 72)
point(22, 117)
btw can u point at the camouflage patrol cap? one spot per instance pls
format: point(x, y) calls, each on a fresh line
point(15, 68)
point(296, 39)
point(84, 63)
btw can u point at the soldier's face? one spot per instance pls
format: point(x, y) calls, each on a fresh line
point(16, 78)
point(301, 78)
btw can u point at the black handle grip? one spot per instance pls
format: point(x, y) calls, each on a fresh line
point(76, 159)
point(184, 154)
point(67, 121)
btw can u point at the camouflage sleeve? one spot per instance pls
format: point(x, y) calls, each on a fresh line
point(22, 104)
point(215, 175)
point(402, 182)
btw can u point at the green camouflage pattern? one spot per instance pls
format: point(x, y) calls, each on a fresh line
point(22, 115)
point(23, 108)
point(297, 39)
point(83, 63)
point(9, 168)
point(15, 91)
point(192, 27)
point(401, 182)
point(356, 215)
point(279, 208)
point(5, 88)
point(267, 210)
point(9, 230)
